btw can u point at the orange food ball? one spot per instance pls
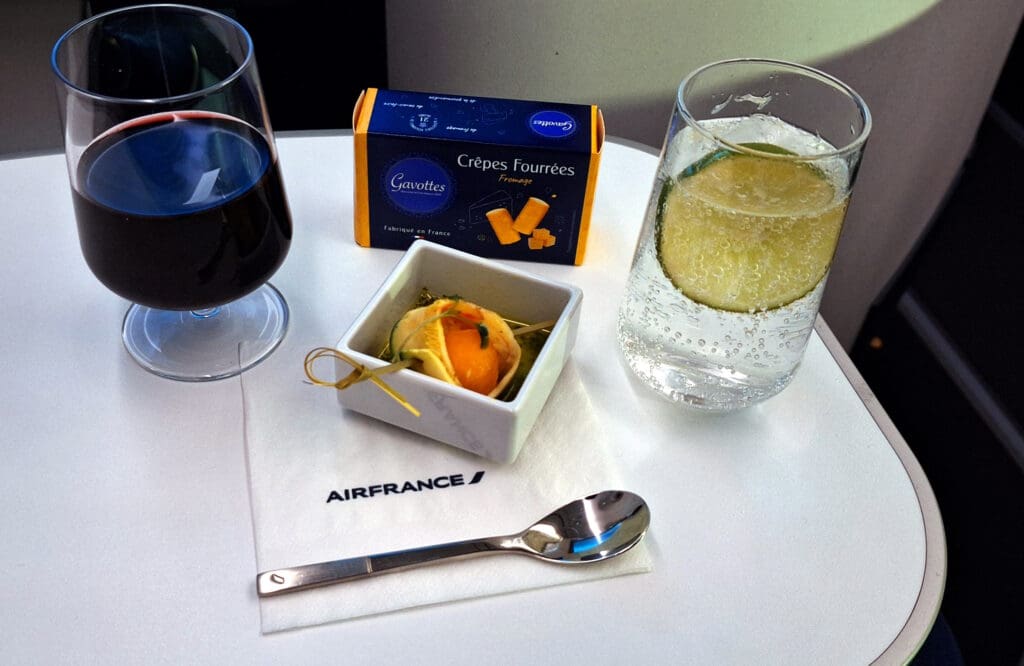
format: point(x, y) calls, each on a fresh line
point(476, 368)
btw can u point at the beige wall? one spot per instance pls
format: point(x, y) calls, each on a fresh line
point(28, 103)
point(927, 72)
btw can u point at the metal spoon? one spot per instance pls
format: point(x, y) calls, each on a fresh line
point(589, 529)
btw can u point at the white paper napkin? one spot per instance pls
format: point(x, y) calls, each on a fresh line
point(308, 457)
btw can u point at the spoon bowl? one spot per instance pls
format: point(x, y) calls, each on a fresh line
point(590, 529)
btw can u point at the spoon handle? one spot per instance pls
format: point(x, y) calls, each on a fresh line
point(280, 581)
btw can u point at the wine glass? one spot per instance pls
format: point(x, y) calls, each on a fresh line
point(175, 182)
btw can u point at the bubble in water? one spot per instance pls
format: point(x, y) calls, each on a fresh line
point(654, 339)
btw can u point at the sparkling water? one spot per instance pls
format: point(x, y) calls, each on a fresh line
point(699, 355)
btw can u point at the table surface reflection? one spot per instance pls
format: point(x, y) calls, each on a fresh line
point(799, 531)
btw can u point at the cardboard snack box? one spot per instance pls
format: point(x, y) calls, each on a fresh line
point(501, 178)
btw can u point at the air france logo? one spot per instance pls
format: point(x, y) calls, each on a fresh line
point(553, 124)
point(418, 186)
point(423, 122)
point(443, 482)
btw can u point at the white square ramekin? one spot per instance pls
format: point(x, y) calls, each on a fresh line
point(488, 427)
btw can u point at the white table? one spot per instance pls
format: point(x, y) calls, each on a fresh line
point(800, 531)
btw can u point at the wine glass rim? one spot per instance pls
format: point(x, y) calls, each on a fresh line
point(854, 145)
point(195, 94)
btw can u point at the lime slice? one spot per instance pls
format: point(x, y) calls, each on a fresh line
point(747, 233)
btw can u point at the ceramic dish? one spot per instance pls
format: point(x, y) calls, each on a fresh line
point(489, 427)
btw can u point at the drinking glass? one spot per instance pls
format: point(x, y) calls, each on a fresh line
point(746, 210)
point(175, 183)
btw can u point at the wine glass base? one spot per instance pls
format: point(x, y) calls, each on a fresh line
point(206, 345)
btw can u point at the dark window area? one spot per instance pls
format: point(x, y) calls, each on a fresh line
point(942, 353)
point(314, 57)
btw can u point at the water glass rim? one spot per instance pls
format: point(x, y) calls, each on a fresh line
point(188, 9)
point(854, 145)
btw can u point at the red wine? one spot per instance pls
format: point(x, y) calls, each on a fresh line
point(181, 211)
